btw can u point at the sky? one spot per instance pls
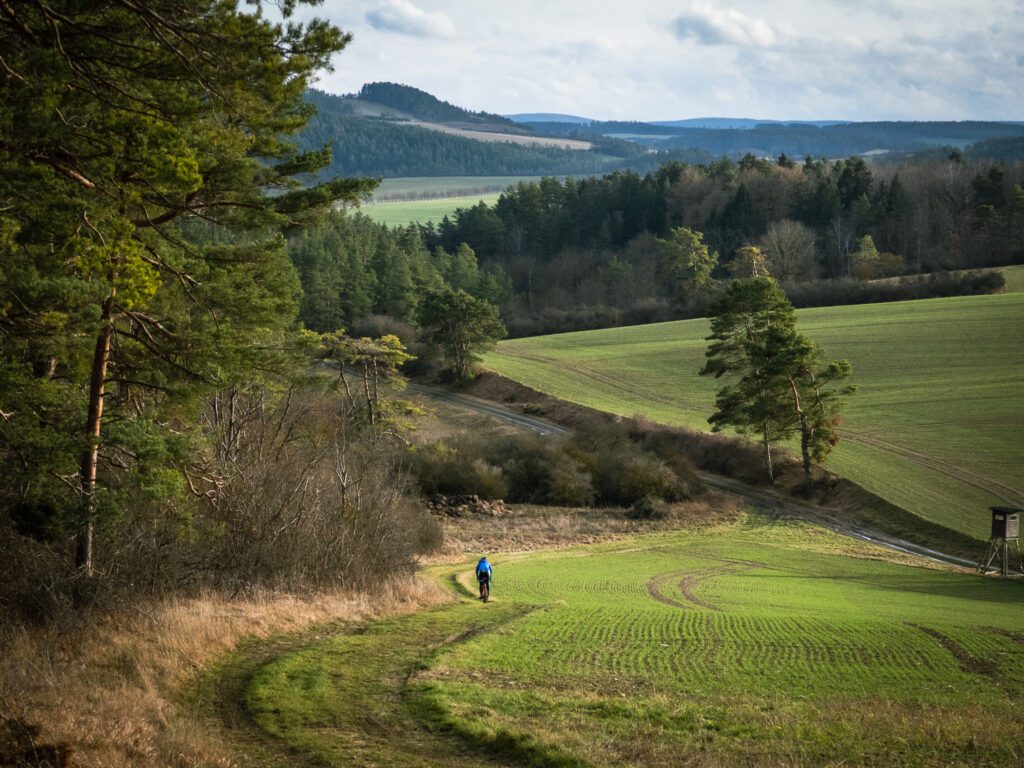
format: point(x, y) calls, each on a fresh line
point(658, 60)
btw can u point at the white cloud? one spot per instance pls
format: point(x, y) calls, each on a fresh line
point(405, 18)
point(720, 26)
point(785, 59)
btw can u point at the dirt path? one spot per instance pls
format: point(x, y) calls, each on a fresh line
point(354, 694)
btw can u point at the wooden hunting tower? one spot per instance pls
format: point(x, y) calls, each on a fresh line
point(1005, 532)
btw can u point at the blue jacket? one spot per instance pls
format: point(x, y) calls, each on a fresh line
point(484, 567)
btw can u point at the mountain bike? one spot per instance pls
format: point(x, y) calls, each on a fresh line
point(485, 589)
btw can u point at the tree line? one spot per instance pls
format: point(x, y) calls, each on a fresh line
point(581, 253)
point(799, 139)
point(585, 252)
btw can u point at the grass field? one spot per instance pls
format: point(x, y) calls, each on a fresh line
point(935, 428)
point(421, 211)
point(437, 186)
point(755, 643)
point(1014, 278)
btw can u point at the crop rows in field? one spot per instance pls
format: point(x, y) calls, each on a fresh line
point(400, 214)
point(756, 644)
point(746, 619)
point(433, 187)
point(934, 427)
point(735, 622)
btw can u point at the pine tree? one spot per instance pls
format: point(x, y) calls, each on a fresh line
point(133, 137)
point(782, 384)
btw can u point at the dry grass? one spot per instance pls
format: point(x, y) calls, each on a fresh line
point(107, 687)
point(527, 528)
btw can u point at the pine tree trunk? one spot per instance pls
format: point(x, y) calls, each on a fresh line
point(768, 456)
point(805, 450)
point(90, 455)
point(805, 436)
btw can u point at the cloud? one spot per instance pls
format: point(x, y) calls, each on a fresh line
point(715, 26)
point(405, 18)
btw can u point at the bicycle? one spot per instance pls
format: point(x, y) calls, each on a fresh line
point(485, 589)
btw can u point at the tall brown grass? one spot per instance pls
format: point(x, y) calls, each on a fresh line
point(106, 689)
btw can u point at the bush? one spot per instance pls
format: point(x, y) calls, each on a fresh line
point(827, 293)
point(649, 508)
point(440, 469)
point(570, 484)
point(626, 475)
point(600, 465)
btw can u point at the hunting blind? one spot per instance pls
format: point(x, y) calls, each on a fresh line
point(1005, 531)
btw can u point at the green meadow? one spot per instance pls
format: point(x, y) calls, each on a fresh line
point(447, 185)
point(754, 643)
point(444, 194)
point(1014, 277)
point(935, 427)
point(399, 214)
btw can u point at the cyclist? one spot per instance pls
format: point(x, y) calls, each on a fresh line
point(484, 573)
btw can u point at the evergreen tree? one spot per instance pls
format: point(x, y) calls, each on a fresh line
point(741, 342)
point(131, 138)
point(686, 262)
point(781, 382)
point(462, 326)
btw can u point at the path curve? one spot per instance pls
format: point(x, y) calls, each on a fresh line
point(763, 499)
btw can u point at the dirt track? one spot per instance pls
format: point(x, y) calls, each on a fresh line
point(762, 499)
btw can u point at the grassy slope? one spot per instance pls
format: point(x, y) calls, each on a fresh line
point(422, 211)
point(1014, 278)
point(935, 427)
point(750, 644)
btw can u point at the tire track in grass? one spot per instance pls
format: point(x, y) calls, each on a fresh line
point(967, 661)
point(690, 580)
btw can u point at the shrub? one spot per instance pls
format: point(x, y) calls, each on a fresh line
point(622, 477)
point(825, 293)
point(600, 465)
point(570, 484)
point(440, 469)
point(649, 508)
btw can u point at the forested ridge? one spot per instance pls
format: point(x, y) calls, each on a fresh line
point(385, 146)
point(425, 106)
point(388, 148)
point(799, 140)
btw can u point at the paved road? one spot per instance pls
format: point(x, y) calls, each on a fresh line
point(760, 498)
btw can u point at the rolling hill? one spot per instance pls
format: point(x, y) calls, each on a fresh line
point(391, 130)
point(934, 429)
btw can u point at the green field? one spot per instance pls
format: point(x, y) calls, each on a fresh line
point(447, 185)
point(935, 428)
point(755, 643)
point(1014, 277)
point(421, 211)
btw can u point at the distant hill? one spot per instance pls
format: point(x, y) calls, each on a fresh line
point(401, 133)
point(424, 106)
point(796, 139)
point(393, 130)
point(743, 123)
point(548, 117)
